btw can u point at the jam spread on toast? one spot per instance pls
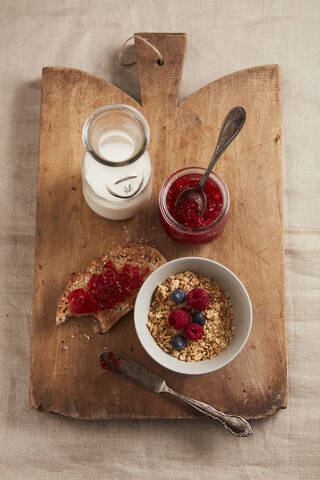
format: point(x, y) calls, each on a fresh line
point(106, 290)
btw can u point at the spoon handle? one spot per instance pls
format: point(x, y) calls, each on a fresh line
point(231, 126)
point(236, 425)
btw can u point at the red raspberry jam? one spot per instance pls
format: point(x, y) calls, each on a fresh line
point(80, 302)
point(103, 363)
point(106, 289)
point(184, 222)
point(187, 213)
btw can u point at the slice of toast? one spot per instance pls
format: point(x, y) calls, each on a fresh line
point(142, 256)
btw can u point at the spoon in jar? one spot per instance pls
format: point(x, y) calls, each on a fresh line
point(231, 126)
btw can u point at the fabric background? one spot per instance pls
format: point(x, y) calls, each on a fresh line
point(223, 36)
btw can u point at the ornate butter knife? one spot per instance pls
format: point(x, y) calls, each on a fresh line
point(131, 370)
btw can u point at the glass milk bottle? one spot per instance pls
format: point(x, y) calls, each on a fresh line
point(116, 173)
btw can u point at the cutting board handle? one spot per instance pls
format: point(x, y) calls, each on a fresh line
point(157, 80)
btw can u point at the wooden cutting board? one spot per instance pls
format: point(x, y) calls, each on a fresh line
point(65, 375)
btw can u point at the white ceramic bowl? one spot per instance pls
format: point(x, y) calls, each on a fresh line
point(229, 282)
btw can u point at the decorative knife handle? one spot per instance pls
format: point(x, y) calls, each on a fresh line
point(236, 425)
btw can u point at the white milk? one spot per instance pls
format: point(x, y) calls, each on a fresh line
point(116, 145)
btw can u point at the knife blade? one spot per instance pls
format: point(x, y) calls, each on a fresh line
point(122, 365)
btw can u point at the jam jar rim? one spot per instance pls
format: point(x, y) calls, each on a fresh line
point(138, 116)
point(183, 228)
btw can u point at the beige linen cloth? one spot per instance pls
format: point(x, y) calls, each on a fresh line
point(223, 36)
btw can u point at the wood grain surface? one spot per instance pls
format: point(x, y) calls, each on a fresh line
point(65, 376)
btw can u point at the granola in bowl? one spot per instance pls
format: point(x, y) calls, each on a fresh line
point(200, 327)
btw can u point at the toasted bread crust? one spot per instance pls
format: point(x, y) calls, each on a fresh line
point(142, 256)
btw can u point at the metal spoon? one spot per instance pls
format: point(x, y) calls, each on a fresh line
point(231, 126)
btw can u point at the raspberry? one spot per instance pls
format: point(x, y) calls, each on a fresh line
point(193, 331)
point(198, 298)
point(80, 302)
point(179, 318)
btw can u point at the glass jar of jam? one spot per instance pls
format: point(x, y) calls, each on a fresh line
point(184, 223)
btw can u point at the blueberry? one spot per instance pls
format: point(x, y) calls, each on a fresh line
point(178, 295)
point(178, 342)
point(198, 318)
